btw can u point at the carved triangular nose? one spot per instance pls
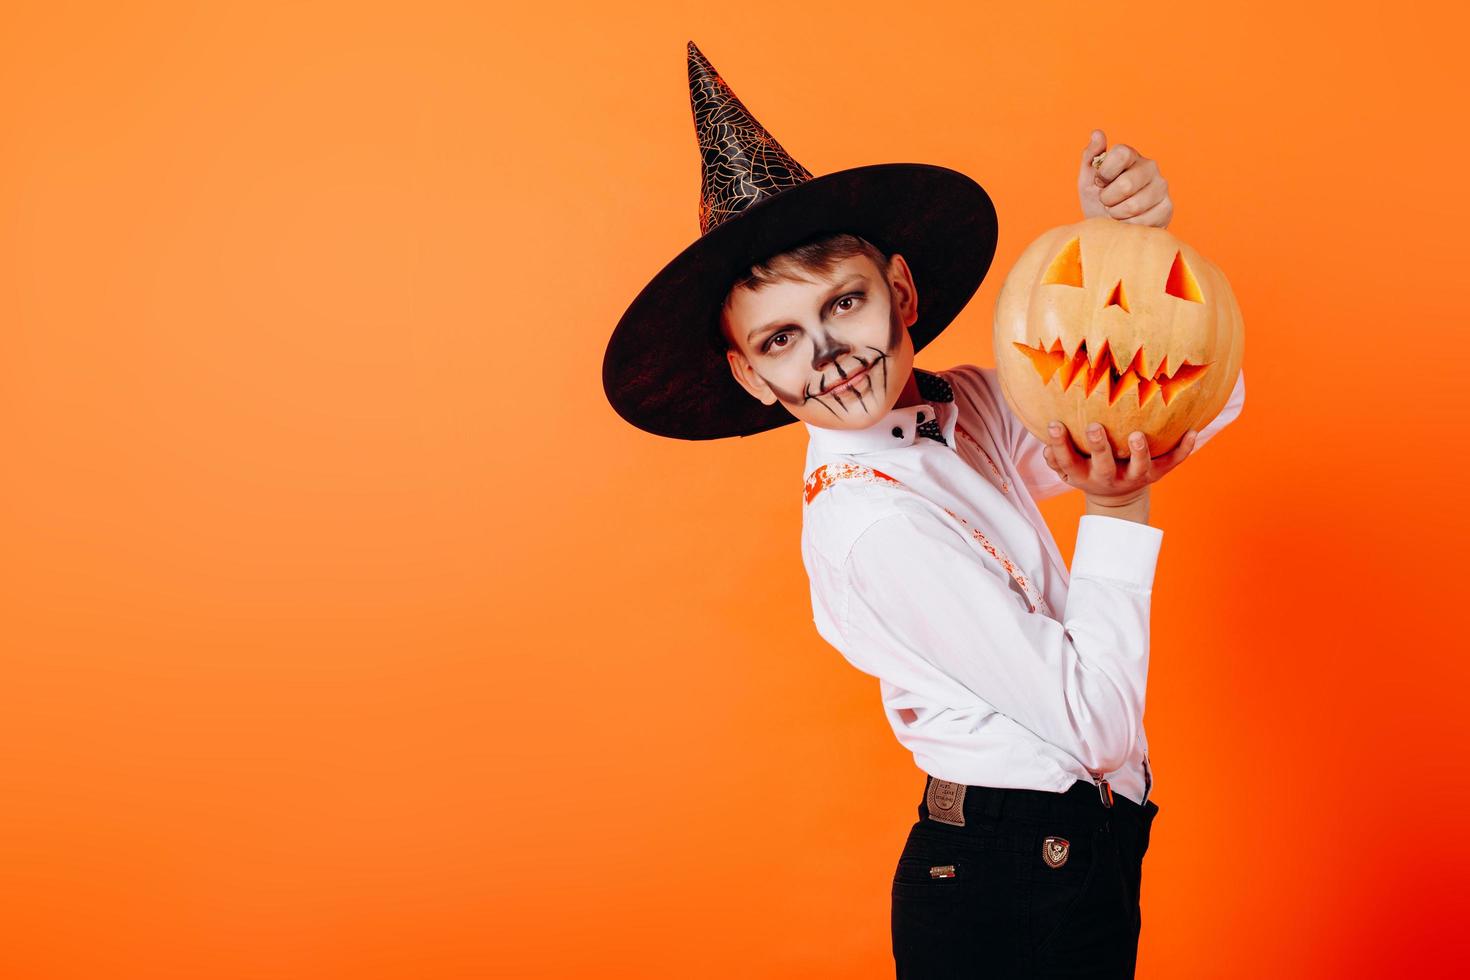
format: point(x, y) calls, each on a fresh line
point(1117, 298)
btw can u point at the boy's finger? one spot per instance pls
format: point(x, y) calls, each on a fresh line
point(1051, 460)
point(1119, 159)
point(1140, 466)
point(1095, 145)
point(1059, 443)
point(1135, 180)
point(1103, 465)
point(1137, 202)
point(1157, 216)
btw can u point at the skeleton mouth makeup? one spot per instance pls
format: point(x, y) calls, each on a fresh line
point(856, 384)
point(849, 381)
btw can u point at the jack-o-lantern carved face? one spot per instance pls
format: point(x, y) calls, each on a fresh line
point(1118, 323)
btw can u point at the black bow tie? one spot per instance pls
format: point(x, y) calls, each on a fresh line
point(935, 389)
point(931, 429)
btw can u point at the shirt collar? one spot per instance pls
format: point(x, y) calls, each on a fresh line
point(898, 428)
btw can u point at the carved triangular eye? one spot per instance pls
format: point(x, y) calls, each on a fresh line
point(1118, 299)
point(1182, 282)
point(1066, 268)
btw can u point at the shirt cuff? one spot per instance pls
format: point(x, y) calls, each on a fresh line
point(1117, 549)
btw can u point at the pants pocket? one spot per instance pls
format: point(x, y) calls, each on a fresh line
point(933, 866)
point(955, 904)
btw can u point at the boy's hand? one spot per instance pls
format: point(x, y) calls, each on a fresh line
point(1124, 185)
point(1099, 476)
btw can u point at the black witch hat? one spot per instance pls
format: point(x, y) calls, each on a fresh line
point(665, 369)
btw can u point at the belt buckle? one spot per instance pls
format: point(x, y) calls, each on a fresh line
point(1103, 789)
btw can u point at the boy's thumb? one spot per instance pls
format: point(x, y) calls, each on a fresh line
point(1095, 145)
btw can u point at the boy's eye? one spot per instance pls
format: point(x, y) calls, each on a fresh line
point(771, 341)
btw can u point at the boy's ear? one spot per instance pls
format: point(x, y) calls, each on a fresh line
point(901, 287)
point(749, 380)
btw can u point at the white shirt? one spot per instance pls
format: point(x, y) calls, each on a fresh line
point(995, 666)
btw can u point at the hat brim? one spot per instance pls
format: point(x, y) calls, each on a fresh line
point(664, 370)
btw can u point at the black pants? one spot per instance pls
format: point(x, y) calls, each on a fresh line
point(982, 900)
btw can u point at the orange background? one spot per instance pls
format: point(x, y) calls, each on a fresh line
point(349, 633)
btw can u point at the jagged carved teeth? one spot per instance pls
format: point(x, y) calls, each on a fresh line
point(1090, 372)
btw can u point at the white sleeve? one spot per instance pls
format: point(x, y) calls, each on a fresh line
point(916, 588)
point(1025, 448)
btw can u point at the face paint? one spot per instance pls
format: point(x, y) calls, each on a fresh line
point(865, 393)
point(877, 361)
point(859, 358)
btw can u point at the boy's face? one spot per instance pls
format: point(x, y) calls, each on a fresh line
point(834, 349)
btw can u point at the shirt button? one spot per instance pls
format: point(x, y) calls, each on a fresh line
point(897, 431)
point(921, 416)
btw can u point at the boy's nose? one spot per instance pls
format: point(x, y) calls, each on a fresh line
point(831, 357)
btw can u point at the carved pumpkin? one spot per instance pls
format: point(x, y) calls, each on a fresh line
point(1118, 323)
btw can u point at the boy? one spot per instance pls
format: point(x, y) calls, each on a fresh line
point(1019, 688)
